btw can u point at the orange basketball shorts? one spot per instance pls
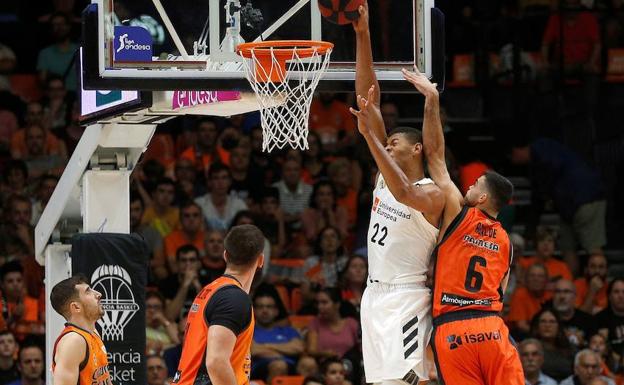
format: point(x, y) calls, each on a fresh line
point(475, 348)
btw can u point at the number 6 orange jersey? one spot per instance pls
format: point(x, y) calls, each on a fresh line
point(472, 261)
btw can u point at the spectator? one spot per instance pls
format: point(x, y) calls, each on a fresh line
point(35, 117)
point(173, 354)
point(8, 61)
point(591, 289)
point(527, 301)
point(8, 366)
point(156, 370)
point(57, 109)
point(576, 324)
point(218, 205)
point(275, 348)
point(180, 289)
point(580, 40)
point(608, 360)
point(346, 178)
point(353, 280)
point(272, 221)
point(544, 254)
point(331, 119)
point(613, 25)
point(57, 59)
point(213, 262)
point(17, 235)
point(331, 335)
point(21, 311)
point(151, 236)
point(324, 211)
point(206, 152)
point(333, 372)
point(246, 180)
point(558, 355)
point(314, 167)
point(47, 184)
point(610, 321)
point(38, 160)
point(30, 364)
point(160, 213)
point(262, 162)
point(516, 273)
point(294, 194)
point(577, 191)
point(186, 181)
point(323, 268)
point(532, 357)
point(586, 369)
point(191, 232)
point(160, 333)
point(307, 366)
point(390, 115)
point(15, 177)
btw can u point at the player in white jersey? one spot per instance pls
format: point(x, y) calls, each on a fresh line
point(406, 211)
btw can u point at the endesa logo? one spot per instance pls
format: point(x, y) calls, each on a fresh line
point(183, 99)
point(132, 44)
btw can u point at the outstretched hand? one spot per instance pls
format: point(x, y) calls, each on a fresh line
point(361, 24)
point(368, 113)
point(420, 82)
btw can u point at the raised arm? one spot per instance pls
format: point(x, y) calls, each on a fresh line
point(433, 144)
point(426, 200)
point(70, 353)
point(364, 70)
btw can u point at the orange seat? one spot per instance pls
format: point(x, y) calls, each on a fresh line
point(284, 296)
point(300, 322)
point(295, 262)
point(26, 86)
point(287, 380)
point(615, 65)
point(463, 71)
point(295, 300)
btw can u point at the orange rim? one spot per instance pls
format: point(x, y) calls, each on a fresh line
point(282, 51)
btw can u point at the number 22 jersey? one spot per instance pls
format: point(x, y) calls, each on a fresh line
point(400, 239)
point(471, 263)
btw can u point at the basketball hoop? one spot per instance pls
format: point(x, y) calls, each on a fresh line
point(287, 70)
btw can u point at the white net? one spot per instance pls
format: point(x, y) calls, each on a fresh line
point(285, 104)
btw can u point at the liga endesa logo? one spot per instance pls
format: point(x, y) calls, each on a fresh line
point(132, 44)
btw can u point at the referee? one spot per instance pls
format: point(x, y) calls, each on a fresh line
point(220, 323)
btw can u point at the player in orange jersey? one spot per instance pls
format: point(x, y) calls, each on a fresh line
point(471, 343)
point(220, 323)
point(79, 355)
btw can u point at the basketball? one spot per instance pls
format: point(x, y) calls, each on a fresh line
point(340, 11)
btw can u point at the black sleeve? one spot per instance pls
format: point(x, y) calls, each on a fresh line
point(229, 307)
